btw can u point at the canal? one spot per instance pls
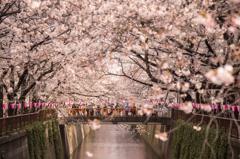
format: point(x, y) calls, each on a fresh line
point(110, 142)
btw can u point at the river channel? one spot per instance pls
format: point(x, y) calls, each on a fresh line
point(111, 143)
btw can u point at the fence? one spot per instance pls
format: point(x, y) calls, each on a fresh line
point(20, 121)
point(228, 125)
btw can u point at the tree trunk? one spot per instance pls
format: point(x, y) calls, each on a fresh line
point(10, 96)
point(1, 101)
point(22, 101)
point(10, 110)
point(188, 98)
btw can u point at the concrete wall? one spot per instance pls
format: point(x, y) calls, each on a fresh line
point(235, 148)
point(14, 146)
point(50, 154)
point(163, 149)
point(72, 136)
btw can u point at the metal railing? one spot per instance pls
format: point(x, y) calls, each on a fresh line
point(20, 121)
point(228, 125)
point(118, 112)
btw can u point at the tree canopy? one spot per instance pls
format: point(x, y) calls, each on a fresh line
point(120, 48)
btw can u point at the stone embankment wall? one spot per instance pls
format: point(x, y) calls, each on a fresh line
point(72, 136)
point(50, 152)
point(14, 146)
point(163, 149)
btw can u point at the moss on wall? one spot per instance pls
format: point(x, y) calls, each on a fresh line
point(37, 139)
point(188, 143)
point(56, 139)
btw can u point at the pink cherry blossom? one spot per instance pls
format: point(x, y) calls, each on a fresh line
point(206, 107)
point(186, 107)
point(10, 90)
point(223, 75)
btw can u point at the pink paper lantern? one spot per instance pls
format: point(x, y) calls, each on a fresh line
point(224, 107)
point(233, 108)
point(12, 105)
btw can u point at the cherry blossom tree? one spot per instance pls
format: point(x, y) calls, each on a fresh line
point(167, 45)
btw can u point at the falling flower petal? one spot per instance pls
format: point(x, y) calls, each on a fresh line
point(197, 128)
point(95, 124)
point(162, 136)
point(89, 154)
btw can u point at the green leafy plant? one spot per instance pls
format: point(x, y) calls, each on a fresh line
point(188, 143)
point(56, 139)
point(50, 135)
point(37, 140)
point(30, 141)
point(177, 140)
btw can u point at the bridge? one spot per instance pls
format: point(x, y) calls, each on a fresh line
point(161, 117)
point(116, 115)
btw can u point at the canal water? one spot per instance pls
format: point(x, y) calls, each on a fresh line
point(110, 142)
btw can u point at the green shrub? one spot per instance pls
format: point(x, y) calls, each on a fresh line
point(188, 143)
point(222, 151)
point(50, 135)
point(37, 140)
point(56, 139)
point(177, 140)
